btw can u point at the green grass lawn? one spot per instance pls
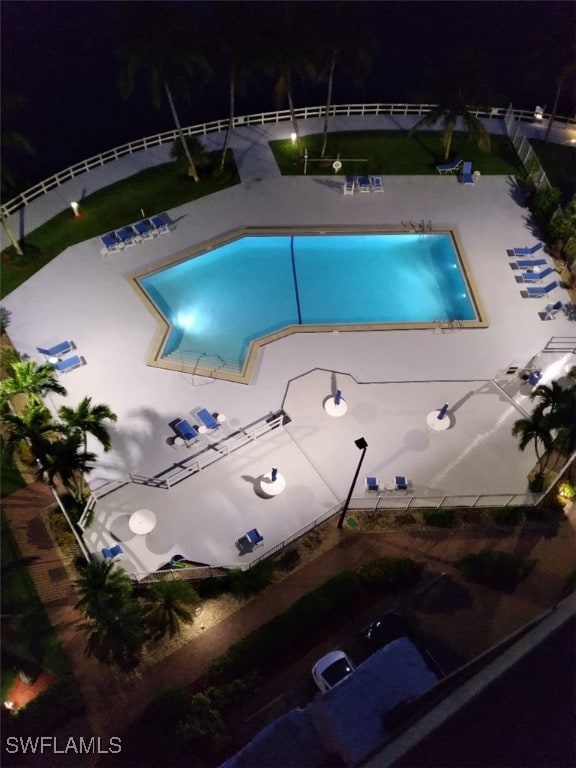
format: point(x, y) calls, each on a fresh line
point(153, 191)
point(394, 153)
point(559, 163)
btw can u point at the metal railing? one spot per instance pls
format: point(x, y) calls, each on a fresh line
point(526, 154)
point(191, 466)
point(277, 116)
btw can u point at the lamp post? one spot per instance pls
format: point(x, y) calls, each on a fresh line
point(361, 444)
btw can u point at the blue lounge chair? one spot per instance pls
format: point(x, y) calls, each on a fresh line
point(112, 552)
point(63, 366)
point(57, 349)
point(528, 251)
point(363, 183)
point(145, 229)
point(400, 483)
point(467, 177)
point(376, 182)
point(185, 430)
point(372, 484)
point(348, 188)
point(529, 263)
point(534, 291)
point(207, 419)
point(535, 277)
point(162, 222)
point(254, 537)
point(128, 236)
point(450, 167)
point(111, 243)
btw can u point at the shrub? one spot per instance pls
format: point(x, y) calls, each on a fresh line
point(212, 586)
point(495, 569)
point(508, 515)
point(302, 618)
point(544, 204)
point(389, 573)
point(536, 483)
point(441, 518)
point(253, 580)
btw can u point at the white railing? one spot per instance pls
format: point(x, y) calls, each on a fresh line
point(526, 154)
point(215, 126)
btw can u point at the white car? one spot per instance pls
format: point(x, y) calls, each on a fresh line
point(331, 670)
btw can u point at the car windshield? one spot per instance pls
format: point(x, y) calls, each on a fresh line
point(336, 672)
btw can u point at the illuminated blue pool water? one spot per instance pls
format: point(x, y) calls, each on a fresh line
point(217, 303)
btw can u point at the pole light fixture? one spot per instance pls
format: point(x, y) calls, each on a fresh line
point(361, 444)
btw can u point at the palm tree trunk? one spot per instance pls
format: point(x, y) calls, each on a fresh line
point(291, 107)
point(554, 108)
point(12, 236)
point(191, 167)
point(328, 104)
point(231, 120)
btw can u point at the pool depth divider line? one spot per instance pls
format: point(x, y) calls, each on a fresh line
point(295, 277)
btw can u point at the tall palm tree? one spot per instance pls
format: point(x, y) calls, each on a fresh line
point(343, 38)
point(170, 604)
point(33, 426)
point(88, 419)
point(156, 39)
point(67, 458)
point(558, 404)
point(11, 139)
point(117, 641)
point(448, 113)
point(284, 53)
point(535, 428)
point(33, 380)
point(463, 84)
point(565, 74)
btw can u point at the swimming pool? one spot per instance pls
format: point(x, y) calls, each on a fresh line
point(217, 303)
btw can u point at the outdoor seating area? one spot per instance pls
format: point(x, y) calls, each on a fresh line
point(364, 184)
point(132, 234)
point(55, 356)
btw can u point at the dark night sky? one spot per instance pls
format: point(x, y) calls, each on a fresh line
point(60, 57)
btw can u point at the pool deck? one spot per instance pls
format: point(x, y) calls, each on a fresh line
point(390, 379)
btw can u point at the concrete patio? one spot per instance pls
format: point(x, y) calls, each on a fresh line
point(390, 379)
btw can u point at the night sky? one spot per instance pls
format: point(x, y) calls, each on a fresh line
point(60, 58)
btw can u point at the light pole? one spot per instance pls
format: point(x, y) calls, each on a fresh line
point(362, 445)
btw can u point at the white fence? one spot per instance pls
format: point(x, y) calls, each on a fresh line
point(528, 157)
point(304, 113)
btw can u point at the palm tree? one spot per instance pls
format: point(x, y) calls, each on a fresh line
point(463, 84)
point(535, 428)
point(558, 404)
point(11, 139)
point(33, 380)
point(238, 43)
point(35, 427)
point(283, 53)
point(88, 419)
point(170, 604)
point(67, 459)
point(117, 641)
point(155, 39)
point(447, 113)
point(103, 590)
point(566, 72)
point(342, 38)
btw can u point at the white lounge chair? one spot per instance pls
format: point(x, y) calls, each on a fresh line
point(376, 183)
point(348, 188)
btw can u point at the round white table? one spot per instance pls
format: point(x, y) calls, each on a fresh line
point(142, 521)
point(221, 418)
point(178, 441)
point(53, 360)
point(272, 488)
point(439, 425)
point(335, 410)
point(202, 429)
